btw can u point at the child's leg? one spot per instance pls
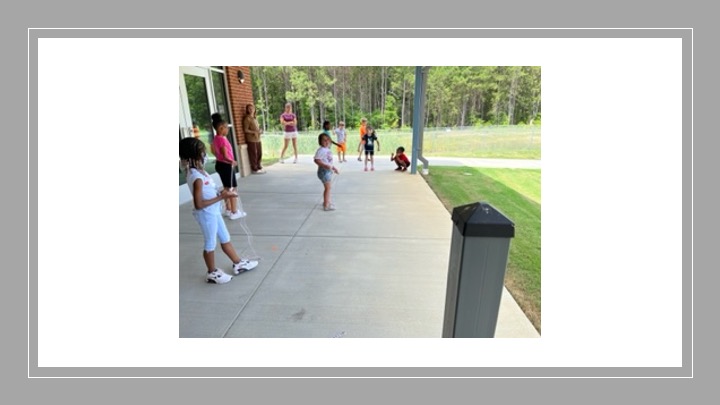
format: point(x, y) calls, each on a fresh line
point(239, 265)
point(209, 258)
point(229, 250)
point(209, 227)
point(372, 160)
point(231, 203)
point(224, 236)
point(326, 194)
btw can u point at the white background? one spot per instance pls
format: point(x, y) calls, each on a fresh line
point(611, 203)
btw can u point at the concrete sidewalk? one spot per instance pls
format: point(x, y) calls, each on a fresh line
point(374, 268)
point(479, 162)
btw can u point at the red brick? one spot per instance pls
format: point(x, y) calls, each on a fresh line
point(240, 96)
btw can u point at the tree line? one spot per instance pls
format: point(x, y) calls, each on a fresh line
point(455, 95)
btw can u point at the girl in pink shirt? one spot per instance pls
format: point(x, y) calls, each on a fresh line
point(225, 165)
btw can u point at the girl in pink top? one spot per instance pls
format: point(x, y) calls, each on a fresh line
point(289, 122)
point(225, 165)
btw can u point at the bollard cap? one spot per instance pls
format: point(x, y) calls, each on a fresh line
point(482, 219)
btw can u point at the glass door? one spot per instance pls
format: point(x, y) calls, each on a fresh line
point(197, 103)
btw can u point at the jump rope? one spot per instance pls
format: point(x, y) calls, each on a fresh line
point(252, 254)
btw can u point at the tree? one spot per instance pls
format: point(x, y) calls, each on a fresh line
point(456, 95)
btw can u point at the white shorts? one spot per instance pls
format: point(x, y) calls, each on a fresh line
point(291, 135)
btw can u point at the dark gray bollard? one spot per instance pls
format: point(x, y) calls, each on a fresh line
point(476, 272)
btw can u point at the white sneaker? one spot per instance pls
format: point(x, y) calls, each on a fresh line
point(244, 265)
point(330, 207)
point(218, 277)
point(227, 213)
point(236, 215)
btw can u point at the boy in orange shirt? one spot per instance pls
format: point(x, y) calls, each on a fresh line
point(363, 130)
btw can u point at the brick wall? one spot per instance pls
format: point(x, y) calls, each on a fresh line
point(240, 96)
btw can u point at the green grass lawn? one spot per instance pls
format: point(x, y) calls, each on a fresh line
point(508, 142)
point(516, 193)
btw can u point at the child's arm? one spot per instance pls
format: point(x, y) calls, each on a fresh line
point(378, 142)
point(226, 155)
point(324, 166)
point(201, 203)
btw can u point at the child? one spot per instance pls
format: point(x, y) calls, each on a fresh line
point(400, 159)
point(207, 206)
point(363, 131)
point(370, 139)
point(324, 160)
point(225, 165)
point(341, 146)
point(327, 128)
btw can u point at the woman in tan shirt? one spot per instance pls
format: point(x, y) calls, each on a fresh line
point(252, 137)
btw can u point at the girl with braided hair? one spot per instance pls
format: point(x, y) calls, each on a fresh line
point(207, 208)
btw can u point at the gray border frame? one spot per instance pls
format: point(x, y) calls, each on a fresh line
point(687, 291)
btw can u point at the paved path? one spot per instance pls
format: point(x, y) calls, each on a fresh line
point(475, 162)
point(375, 267)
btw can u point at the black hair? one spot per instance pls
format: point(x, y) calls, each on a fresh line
point(326, 124)
point(217, 120)
point(401, 149)
point(192, 151)
point(320, 137)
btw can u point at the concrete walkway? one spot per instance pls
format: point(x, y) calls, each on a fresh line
point(374, 268)
point(477, 162)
